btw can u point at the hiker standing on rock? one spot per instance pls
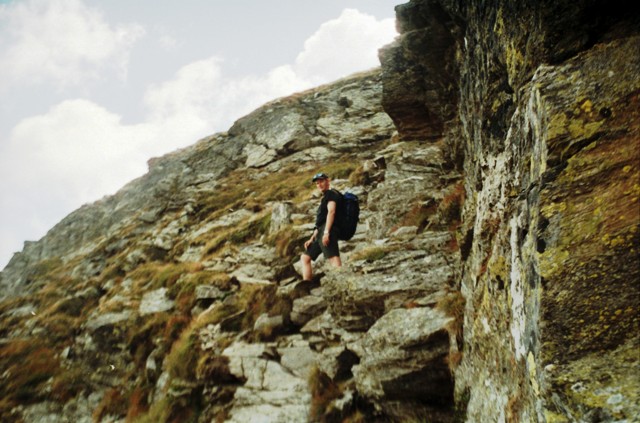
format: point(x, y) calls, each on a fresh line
point(326, 227)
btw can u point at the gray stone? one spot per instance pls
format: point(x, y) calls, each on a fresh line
point(306, 308)
point(357, 300)
point(280, 216)
point(298, 359)
point(258, 155)
point(268, 324)
point(155, 302)
point(403, 353)
point(208, 292)
point(270, 389)
point(108, 319)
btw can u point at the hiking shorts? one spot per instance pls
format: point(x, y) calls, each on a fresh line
point(317, 247)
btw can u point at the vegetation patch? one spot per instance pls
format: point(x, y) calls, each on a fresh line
point(138, 403)
point(323, 392)
point(239, 234)
point(45, 268)
point(140, 337)
point(69, 383)
point(373, 254)
point(25, 365)
point(286, 241)
point(420, 214)
point(450, 208)
point(183, 357)
point(453, 305)
point(154, 275)
point(250, 190)
point(114, 402)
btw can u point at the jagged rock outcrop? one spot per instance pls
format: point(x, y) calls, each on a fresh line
point(493, 276)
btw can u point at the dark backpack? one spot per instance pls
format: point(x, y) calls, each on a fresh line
point(348, 216)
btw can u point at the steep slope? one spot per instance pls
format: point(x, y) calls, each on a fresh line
point(177, 299)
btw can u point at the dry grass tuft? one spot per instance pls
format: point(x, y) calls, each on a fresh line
point(372, 254)
point(453, 360)
point(138, 404)
point(323, 392)
point(251, 229)
point(27, 364)
point(287, 240)
point(453, 305)
point(183, 357)
point(68, 384)
point(214, 368)
point(420, 214)
point(114, 403)
point(450, 208)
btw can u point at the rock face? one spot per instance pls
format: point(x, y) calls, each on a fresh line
point(493, 276)
point(547, 124)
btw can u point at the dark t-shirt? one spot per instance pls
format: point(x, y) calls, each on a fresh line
point(329, 195)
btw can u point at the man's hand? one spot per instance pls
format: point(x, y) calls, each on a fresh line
point(309, 241)
point(325, 239)
point(312, 239)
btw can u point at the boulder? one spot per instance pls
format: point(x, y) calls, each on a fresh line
point(403, 357)
point(306, 308)
point(356, 300)
point(298, 358)
point(268, 324)
point(280, 216)
point(258, 155)
point(107, 319)
point(270, 393)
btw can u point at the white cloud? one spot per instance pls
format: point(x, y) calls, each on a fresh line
point(61, 41)
point(189, 92)
point(344, 45)
point(77, 146)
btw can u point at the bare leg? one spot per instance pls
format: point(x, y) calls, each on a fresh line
point(336, 261)
point(306, 267)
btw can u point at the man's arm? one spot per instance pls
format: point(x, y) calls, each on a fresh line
point(331, 215)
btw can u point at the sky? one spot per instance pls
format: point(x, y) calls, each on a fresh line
point(91, 90)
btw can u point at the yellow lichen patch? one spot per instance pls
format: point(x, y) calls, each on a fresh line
point(552, 417)
point(498, 267)
point(557, 126)
point(554, 208)
point(552, 261)
point(618, 393)
point(498, 26)
point(533, 377)
point(586, 106)
point(578, 128)
point(514, 59)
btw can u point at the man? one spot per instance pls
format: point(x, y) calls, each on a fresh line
point(326, 225)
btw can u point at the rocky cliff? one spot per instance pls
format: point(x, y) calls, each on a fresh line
point(493, 276)
point(539, 99)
